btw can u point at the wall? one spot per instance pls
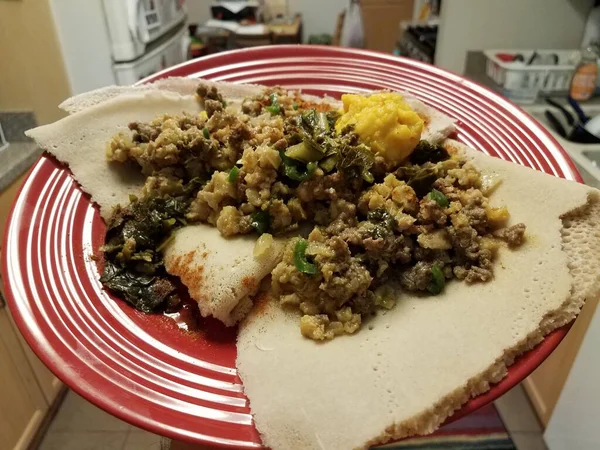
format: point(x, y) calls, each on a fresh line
point(319, 16)
point(198, 10)
point(32, 75)
point(483, 24)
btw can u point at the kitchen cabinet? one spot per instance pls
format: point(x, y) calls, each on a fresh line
point(574, 422)
point(545, 384)
point(28, 389)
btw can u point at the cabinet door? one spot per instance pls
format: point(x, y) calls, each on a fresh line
point(545, 384)
point(48, 383)
point(22, 403)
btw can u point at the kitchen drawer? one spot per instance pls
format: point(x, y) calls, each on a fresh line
point(22, 403)
point(27, 388)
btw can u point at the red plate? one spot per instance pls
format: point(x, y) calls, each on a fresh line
point(142, 368)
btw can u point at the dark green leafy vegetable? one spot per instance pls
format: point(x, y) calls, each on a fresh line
point(439, 198)
point(191, 188)
point(206, 133)
point(322, 122)
point(384, 222)
point(295, 170)
point(303, 152)
point(134, 241)
point(422, 180)
point(300, 261)
point(136, 237)
point(438, 281)
point(233, 174)
point(318, 123)
point(426, 152)
point(329, 163)
point(261, 221)
point(356, 161)
point(145, 292)
point(317, 130)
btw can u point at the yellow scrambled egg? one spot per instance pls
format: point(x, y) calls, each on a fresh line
point(383, 121)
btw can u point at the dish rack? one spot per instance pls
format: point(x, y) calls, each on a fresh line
point(522, 82)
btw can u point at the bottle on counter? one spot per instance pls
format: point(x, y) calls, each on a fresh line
point(583, 83)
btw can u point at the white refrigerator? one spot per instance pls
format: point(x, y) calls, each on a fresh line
point(107, 42)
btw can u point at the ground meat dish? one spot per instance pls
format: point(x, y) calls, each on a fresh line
point(281, 163)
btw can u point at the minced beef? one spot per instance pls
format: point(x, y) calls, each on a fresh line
point(513, 236)
point(417, 277)
point(373, 221)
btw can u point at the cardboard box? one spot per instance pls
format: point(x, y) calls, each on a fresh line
point(381, 19)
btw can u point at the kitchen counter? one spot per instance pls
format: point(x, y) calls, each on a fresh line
point(15, 160)
point(588, 178)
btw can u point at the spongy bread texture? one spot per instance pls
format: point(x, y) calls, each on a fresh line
point(178, 85)
point(219, 272)
point(80, 141)
point(407, 370)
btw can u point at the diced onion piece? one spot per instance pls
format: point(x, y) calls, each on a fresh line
point(489, 182)
point(263, 245)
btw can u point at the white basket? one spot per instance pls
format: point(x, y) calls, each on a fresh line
point(523, 81)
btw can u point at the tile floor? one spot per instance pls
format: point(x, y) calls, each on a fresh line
point(79, 425)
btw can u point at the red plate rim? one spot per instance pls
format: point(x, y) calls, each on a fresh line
point(522, 367)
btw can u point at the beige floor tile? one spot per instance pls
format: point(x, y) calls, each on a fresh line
point(139, 439)
point(528, 441)
point(77, 414)
point(516, 411)
point(84, 440)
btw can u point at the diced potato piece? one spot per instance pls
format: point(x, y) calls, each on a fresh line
point(437, 240)
point(490, 244)
point(313, 327)
point(497, 216)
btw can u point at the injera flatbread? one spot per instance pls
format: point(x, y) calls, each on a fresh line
point(408, 369)
point(198, 255)
point(218, 272)
point(438, 126)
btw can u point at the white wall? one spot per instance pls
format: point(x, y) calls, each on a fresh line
point(198, 11)
point(575, 422)
point(319, 16)
point(483, 24)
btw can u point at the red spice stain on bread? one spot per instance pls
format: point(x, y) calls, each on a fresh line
point(250, 283)
point(191, 274)
point(260, 308)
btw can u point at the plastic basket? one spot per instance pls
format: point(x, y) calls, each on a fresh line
point(523, 82)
